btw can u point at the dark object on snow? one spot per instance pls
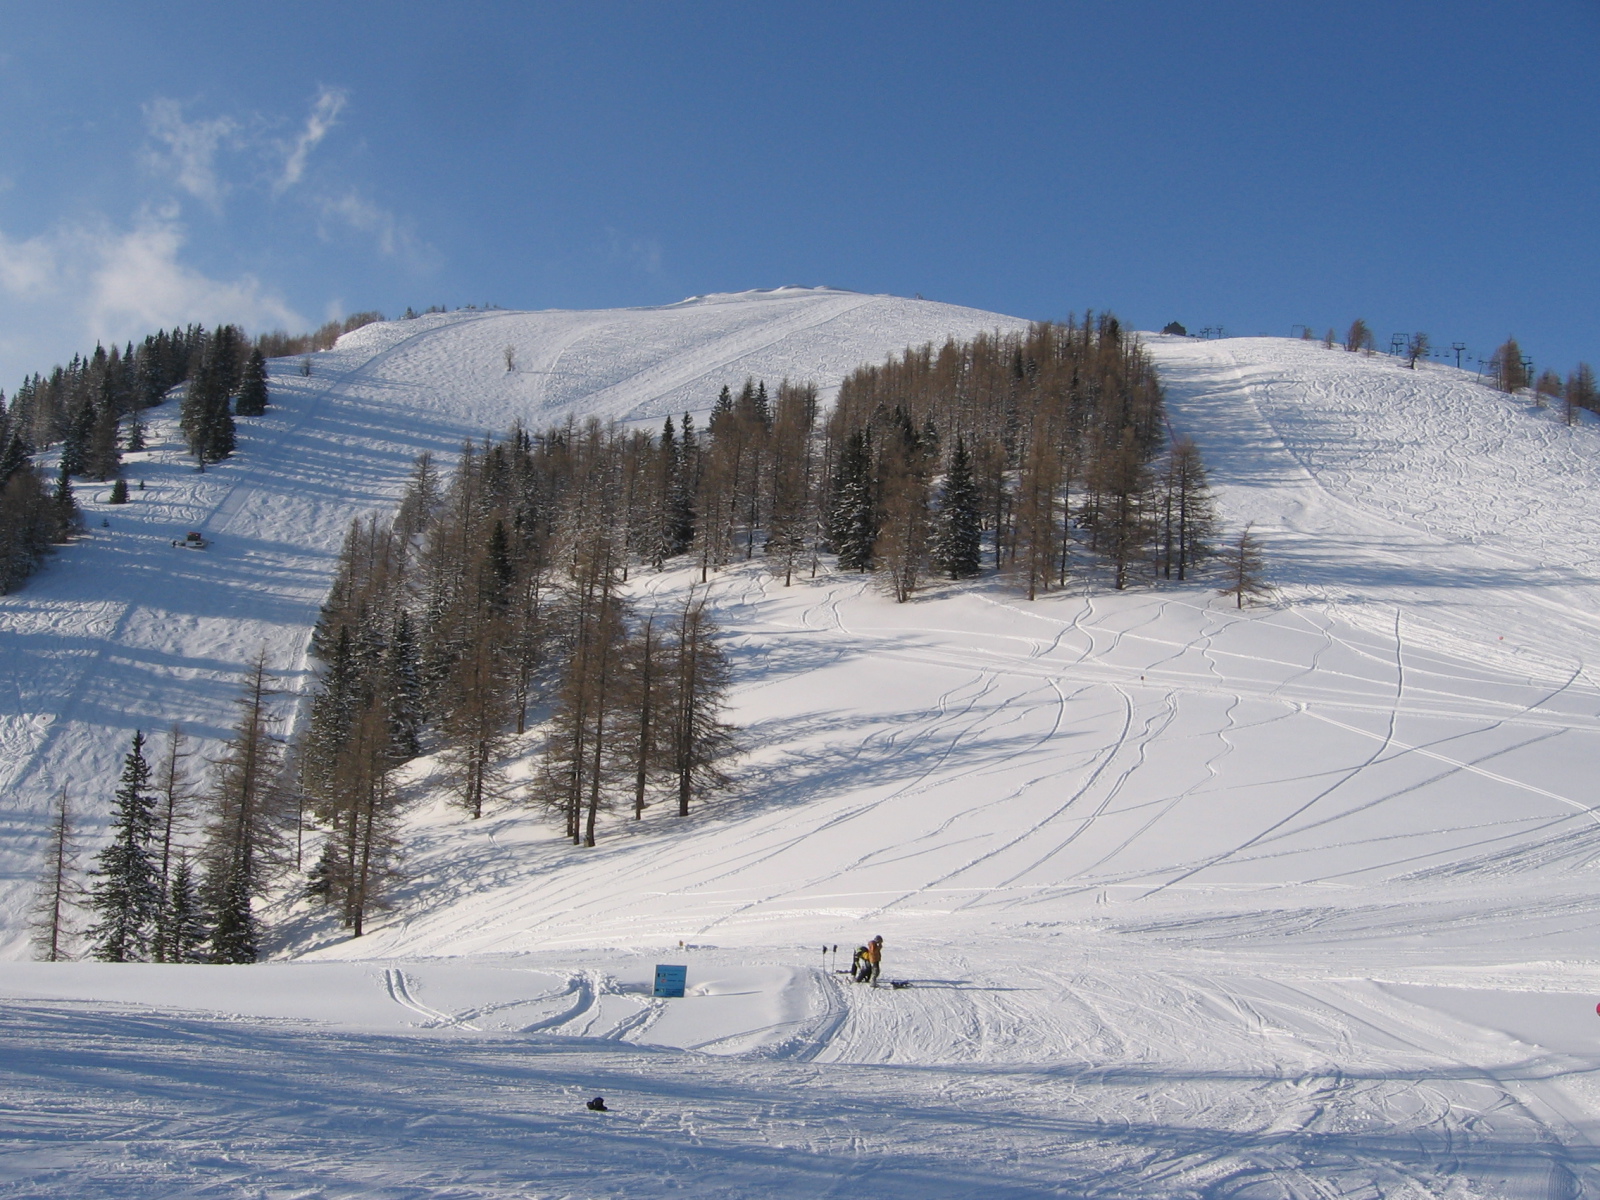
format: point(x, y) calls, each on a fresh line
point(193, 540)
point(598, 1104)
point(897, 984)
point(1174, 327)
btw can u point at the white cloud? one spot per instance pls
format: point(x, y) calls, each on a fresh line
point(26, 268)
point(391, 235)
point(136, 285)
point(642, 254)
point(189, 149)
point(324, 112)
point(61, 292)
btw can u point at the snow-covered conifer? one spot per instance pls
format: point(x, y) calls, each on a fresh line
point(126, 894)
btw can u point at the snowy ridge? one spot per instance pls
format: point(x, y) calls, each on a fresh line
point(1291, 902)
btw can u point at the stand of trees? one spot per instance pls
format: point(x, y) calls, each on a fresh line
point(499, 597)
point(172, 884)
point(1035, 442)
point(90, 408)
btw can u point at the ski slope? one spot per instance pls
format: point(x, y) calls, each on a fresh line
point(1294, 901)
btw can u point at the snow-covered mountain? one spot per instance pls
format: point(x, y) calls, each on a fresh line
point(1294, 901)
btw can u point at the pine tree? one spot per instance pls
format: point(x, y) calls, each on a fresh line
point(75, 449)
point(58, 890)
point(14, 457)
point(853, 515)
point(28, 525)
point(252, 399)
point(127, 893)
point(186, 934)
point(1358, 336)
point(957, 544)
point(403, 680)
point(67, 517)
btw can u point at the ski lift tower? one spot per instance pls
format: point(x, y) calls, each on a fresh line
point(1397, 343)
point(1458, 347)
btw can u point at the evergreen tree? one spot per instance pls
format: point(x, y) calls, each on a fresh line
point(75, 449)
point(185, 931)
point(68, 518)
point(403, 678)
point(28, 525)
point(853, 515)
point(957, 545)
point(103, 458)
point(205, 418)
point(252, 399)
point(14, 457)
point(127, 893)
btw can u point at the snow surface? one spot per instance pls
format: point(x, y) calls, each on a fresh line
point(1297, 901)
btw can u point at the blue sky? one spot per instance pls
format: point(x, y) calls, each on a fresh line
point(1427, 166)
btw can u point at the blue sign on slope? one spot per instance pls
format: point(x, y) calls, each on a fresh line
point(670, 980)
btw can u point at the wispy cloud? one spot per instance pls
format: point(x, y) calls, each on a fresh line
point(28, 268)
point(187, 150)
point(83, 283)
point(642, 254)
point(392, 236)
point(324, 113)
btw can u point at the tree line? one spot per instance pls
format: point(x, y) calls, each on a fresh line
point(1040, 445)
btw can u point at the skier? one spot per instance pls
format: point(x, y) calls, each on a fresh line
point(874, 960)
point(858, 965)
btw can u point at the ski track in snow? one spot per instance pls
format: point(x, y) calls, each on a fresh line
point(1290, 902)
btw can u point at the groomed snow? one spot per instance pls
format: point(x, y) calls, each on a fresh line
point(1297, 901)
